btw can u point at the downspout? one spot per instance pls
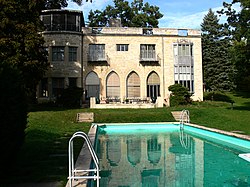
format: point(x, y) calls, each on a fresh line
point(82, 68)
point(163, 66)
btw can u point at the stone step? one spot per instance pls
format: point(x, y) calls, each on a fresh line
point(176, 115)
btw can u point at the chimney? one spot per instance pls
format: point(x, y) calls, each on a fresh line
point(115, 22)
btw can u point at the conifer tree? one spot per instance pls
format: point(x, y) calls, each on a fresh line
point(239, 24)
point(218, 71)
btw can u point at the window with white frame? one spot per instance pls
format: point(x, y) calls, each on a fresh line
point(72, 54)
point(57, 53)
point(97, 52)
point(122, 47)
point(147, 51)
point(183, 66)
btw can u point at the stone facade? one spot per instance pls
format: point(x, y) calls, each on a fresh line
point(125, 63)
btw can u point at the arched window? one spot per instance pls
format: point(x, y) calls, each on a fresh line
point(134, 151)
point(113, 85)
point(153, 85)
point(133, 85)
point(154, 150)
point(114, 150)
point(92, 85)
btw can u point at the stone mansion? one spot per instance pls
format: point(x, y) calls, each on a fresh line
point(118, 63)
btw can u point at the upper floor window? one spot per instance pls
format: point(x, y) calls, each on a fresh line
point(183, 67)
point(122, 47)
point(183, 50)
point(57, 53)
point(73, 23)
point(58, 22)
point(72, 54)
point(62, 21)
point(97, 52)
point(147, 51)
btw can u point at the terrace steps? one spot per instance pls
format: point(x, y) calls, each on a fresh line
point(176, 115)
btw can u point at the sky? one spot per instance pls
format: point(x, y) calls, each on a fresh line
point(177, 13)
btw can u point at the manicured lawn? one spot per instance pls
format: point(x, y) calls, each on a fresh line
point(43, 156)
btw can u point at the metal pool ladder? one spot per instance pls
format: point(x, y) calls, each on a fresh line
point(184, 118)
point(74, 173)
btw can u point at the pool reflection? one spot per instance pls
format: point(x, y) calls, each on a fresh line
point(145, 160)
point(168, 159)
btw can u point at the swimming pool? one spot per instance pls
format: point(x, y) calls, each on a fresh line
point(162, 155)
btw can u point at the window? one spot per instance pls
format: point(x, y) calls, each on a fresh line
point(153, 85)
point(72, 82)
point(58, 22)
point(57, 86)
point(96, 52)
point(47, 21)
point(183, 68)
point(147, 51)
point(113, 85)
point(183, 50)
point(133, 85)
point(57, 53)
point(122, 47)
point(92, 85)
point(72, 54)
point(71, 22)
point(44, 87)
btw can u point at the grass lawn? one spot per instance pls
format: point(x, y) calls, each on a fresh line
point(43, 156)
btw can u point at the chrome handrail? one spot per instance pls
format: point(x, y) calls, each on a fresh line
point(72, 170)
point(184, 118)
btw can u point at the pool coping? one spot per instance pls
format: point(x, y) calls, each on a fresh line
point(84, 157)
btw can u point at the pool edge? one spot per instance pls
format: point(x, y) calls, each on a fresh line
point(84, 159)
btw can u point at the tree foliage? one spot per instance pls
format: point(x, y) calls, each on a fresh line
point(239, 24)
point(13, 114)
point(218, 70)
point(57, 4)
point(21, 45)
point(136, 14)
point(179, 95)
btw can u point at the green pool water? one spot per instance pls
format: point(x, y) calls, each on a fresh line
point(160, 155)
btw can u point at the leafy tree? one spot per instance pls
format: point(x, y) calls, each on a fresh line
point(21, 45)
point(57, 4)
point(136, 14)
point(179, 95)
point(13, 114)
point(239, 23)
point(218, 70)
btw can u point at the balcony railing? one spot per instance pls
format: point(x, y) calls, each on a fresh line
point(184, 60)
point(149, 58)
point(98, 58)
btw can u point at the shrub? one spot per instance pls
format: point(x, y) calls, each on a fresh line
point(218, 96)
point(71, 97)
point(13, 114)
point(179, 95)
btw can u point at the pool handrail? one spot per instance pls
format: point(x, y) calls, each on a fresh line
point(72, 170)
point(184, 118)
